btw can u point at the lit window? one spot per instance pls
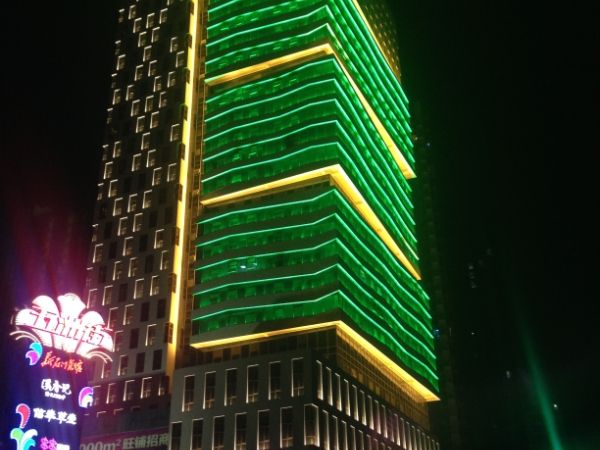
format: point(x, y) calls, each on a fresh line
point(150, 335)
point(172, 172)
point(92, 298)
point(107, 296)
point(156, 176)
point(135, 108)
point(109, 113)
point(151, 158)
point(209, 389)
point(147, 53)
point(122, 226)
point(175, 132)
point(174, 44)
point(100, 189)
point(132, 204)
point(130, 92)
point(150, 20)
point(171, 79)
point(133, 267)
point(136, 162)
point(311, 426)
point(139, 124)
point(108, 168)
point(164, 260)
point(197, 425)
point(149, 103)
point(118, 207)
point(157, 83)
point(145, 145)
point(138, 290)
point(252, 384)
point(123, 363)
point(218, 433)
point(117, 270)
point(287, 428)
point(116, 96)
point(159, 238)
point(132, 12)
point(180, 59)
point(128, 316)
point(188, 392)
point(128, 391)
point(146, 387)
point(111, 393)
point(240, 431)
point(155, 34)
point(147, 199)
point(155, 285)
point(98, 253)
point(274, 380)
point(112, 318)
point(120, 62)
point(137, 25)
point(162, 100)
point(137, 222)
point(142, 38)
point(117, 149)
point(230, 386)
point(128, 246)
point(263, 434)
point(121, 16)
point(297, 377)
point(139, 72)
point(154, 119)
point(163, 16)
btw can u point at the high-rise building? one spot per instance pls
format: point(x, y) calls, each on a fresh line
point(254, 242)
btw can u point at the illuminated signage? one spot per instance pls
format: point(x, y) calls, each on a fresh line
point(62, 326)
point(155, 439)
point(55, 389)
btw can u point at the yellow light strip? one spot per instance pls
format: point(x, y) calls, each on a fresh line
point(308, 54)
point(178, 260)
point(355, 338)
point(313, 53)
point(338, 177)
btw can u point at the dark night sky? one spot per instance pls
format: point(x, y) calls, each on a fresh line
point(510, 91)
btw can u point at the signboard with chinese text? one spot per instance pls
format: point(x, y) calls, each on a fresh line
point(156, 439)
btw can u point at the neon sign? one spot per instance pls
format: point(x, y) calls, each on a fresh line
point(56, 362)
point(55, 389)
point(62, 326)
point(86, 397)
point(51, 444)
point(23, 438)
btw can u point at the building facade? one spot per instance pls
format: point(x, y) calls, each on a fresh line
point(254, 241)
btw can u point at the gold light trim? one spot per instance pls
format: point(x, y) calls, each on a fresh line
point(336, 176)
point(314, 53)
point(355, 338)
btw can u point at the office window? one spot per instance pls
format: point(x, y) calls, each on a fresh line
point(210, 379)
point(130, 92)
point(142, 38)
point(156, 176)
point(347, 398)
point(164, 260)
point(311, 425)
point(137, 25)
point(138, 290)
point(218, 433)
point(147, 202)
point(149, 103)
point(92, 298)
point(111, 393)
point(134, 266)
point(150, 335)
point(175, 134)
point(162, 100)
point(140, 361)
point(155, 34)
point(175, 436)
point(116, 96)
point(286, 428)
point(319, 380)
point(363, 408)
point(137, 222)
point(146, 387)
point(107, 297)
point(154, 119)
point(173, 44)
point(116, 149)
point(188, 392)
point(163, 16)
point(108, 167)
point(180, 59)
point(112, 318)
point(132, 12)
point(263, 437)
point(145, 143)
point(338, 391)
point(128, 391)
point(329, 380)
point(147, 53)
point(159, 238)
point(157, 83)
point(123, 363)
point(112, 188)
point(155, 285)
point(240, 431)
point(134, 337)
point(120, 62)
point(230, 386)
point(135, 110)
point(197, 430)
point(122, 229)
point(157, 361)
point(98, 253)
point(252, 384)
point(128, 316)
point(118, 343)
point(139, 72)
point(117, 270)
point(150, 20)
point(161, 308)
point(297, 377)
point(171, 79)
point(172, 172)
point(128, 246)
point(325, 428)
point(274, 380)
point(140, 124)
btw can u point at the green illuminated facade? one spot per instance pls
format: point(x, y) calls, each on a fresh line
point(274, 254)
